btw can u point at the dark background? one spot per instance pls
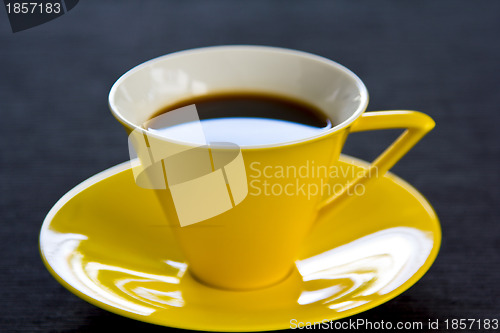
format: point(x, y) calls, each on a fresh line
point(439, 57)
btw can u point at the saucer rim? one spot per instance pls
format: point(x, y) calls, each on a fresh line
point(124, 166)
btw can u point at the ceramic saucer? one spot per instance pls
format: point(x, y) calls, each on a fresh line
point(104, 241)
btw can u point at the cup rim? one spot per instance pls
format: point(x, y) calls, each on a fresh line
point(346, 123)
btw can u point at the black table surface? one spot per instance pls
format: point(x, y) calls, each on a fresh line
point(439, 57)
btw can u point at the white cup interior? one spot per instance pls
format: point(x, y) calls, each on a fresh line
point(144, 90)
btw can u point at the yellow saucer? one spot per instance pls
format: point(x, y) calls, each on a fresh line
point(104, 241)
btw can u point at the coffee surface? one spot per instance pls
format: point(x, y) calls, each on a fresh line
point(245, 119)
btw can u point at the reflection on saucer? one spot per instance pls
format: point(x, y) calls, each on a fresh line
point(342, 278)
point(374, 264)
point(131, 290)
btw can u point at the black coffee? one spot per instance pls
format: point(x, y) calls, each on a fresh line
point(247, 119)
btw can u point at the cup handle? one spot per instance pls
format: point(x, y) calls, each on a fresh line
point(417, 124)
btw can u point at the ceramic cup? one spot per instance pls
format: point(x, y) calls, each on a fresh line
point(253, 241)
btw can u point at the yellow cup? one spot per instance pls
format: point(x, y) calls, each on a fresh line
point(255, 242)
